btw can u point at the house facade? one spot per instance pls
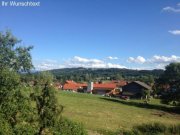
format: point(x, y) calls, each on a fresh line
point(105, 88)
point(135, 89)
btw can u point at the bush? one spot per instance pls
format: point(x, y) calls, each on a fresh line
point(67, 127)
point(174, 129)
point(147, 129)
point(153, 128)
point(24, 129)
point(4, 126)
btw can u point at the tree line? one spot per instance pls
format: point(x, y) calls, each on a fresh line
point(90, 74)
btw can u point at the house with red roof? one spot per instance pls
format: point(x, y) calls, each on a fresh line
point(105, 88)
point(73, 86)
point(94, 88)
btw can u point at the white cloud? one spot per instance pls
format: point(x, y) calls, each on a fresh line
point(90, 63)
point(155, 62)
point(112, 58)
point(76, 61)
point(139, 62)
point(175, 32)
point(164, 59)
point(171, 9)
point(85, 60)
point(156, 59)
point(161, 66)
point(47, 64)
point(138, 59)
point(110, 65)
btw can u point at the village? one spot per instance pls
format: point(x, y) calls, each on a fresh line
point(115, 88)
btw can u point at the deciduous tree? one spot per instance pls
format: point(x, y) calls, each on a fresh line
point(171, 77)
point(12, 55)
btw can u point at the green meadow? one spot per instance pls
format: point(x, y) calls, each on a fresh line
point(98, 113)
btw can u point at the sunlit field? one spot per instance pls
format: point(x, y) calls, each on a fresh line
point(98, 113)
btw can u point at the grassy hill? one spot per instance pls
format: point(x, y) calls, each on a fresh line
point(98, 113)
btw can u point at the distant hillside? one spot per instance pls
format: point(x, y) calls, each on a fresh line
point(86, 74)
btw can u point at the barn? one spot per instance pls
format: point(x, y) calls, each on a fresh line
point(103, 88)
point(135, 89)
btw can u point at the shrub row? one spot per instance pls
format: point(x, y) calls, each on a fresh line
point(147, 129)
point(68, 127)
point(154, 129)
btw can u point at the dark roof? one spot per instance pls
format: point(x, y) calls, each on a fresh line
point(143, 85)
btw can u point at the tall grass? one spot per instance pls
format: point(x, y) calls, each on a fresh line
point(147, 129)
point(154, 129)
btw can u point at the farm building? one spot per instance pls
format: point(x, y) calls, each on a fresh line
point(58, 85)
point(104, 88)
point(73, 86)
point(135, 89)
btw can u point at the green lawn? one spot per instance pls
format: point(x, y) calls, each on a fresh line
point(99, 113)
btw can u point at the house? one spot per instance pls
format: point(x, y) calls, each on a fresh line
point(73, 86)
point(104, 88)
point(118, 90)
point(58, 85)
point(135, 89)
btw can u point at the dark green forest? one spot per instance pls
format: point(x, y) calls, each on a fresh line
point(100, 74)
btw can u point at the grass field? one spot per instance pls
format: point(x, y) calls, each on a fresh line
point(98, 113)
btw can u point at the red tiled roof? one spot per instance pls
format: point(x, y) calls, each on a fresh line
point(104, 86)
point(71, 85)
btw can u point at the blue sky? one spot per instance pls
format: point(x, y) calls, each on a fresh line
point(136, 34)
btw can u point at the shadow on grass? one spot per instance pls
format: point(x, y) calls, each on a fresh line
point(145, 105)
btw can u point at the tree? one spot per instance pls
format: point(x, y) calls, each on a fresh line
point(171, 77)
point(87, 77)
point(118, 77)
point(15, 106)
point(49, 111)
point(151, 80)
point(146, 95)
point(12, 55)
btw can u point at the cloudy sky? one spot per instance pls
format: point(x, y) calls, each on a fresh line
point(135, 34)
